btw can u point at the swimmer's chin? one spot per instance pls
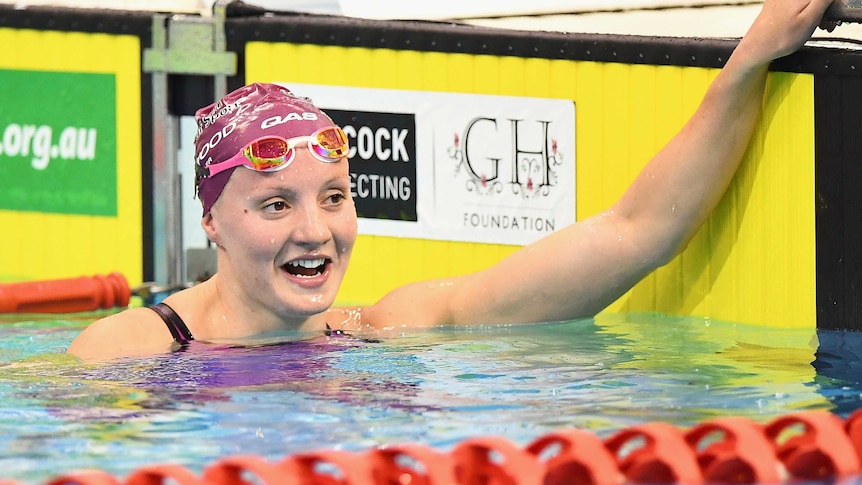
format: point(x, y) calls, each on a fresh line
point(310, 309)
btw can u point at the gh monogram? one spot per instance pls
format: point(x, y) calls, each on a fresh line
point(529, 171)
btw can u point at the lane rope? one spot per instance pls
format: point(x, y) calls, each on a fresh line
point(804, 446)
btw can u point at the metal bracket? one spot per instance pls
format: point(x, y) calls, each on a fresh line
point(189, 45)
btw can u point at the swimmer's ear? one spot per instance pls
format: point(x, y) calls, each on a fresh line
point(209, 227)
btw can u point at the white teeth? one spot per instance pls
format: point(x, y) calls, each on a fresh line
point(307, 263)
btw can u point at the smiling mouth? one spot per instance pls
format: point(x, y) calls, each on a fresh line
point(306, 268)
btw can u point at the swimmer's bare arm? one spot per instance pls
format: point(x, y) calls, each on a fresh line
point(579, 270)
point(133, 332)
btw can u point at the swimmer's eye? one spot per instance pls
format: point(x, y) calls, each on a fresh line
point(336, 198)
point(276, 206)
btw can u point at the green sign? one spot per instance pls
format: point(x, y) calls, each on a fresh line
point(58, 142)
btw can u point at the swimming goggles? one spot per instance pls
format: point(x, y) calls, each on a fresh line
point(272, 153)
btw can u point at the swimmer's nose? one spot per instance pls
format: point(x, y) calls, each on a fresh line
point(314, 230)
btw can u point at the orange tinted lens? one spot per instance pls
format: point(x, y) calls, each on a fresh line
point(332, 142)
point(268, 153)
point(269, 148)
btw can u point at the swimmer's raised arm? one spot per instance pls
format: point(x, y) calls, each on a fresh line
point(579, 270)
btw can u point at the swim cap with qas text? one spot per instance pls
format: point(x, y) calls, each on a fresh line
point(242, 116)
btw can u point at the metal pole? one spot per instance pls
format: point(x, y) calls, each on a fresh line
point(181, 45)
point(168, 255)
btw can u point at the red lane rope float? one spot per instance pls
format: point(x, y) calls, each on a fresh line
point(655, 453)
point(576, 457)
point(813, 445)
point(86, 477)
point(804, 446)
point(734, 451)
point(236, 469)
point(70, 295)
point(159, 474)
point(494, 461)
point(327, 467)
point(853, 429)
point(413, 464)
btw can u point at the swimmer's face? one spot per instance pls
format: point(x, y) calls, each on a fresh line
point(286, 236)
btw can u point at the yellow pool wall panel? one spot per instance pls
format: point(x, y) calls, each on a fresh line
point(48, 246)
point(753, 261)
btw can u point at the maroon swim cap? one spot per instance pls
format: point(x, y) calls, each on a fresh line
point(242, 116)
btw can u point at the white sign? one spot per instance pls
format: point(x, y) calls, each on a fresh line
point(458, 167)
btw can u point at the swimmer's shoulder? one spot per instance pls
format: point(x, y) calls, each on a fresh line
point(131, 332)
point(414, 305)
point(348, 318)
point(391, 312)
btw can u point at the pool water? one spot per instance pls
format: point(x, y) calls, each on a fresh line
point(437, 387)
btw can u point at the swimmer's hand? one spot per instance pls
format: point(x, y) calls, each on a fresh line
point(781, 28)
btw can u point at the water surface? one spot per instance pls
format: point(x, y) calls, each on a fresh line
point(437, 387)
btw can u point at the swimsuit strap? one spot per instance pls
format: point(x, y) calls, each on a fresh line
point(329, 332)
point(175, 324)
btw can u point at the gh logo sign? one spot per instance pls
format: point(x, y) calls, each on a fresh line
point(527, 163)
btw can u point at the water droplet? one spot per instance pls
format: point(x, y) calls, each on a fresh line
point(272, 241)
